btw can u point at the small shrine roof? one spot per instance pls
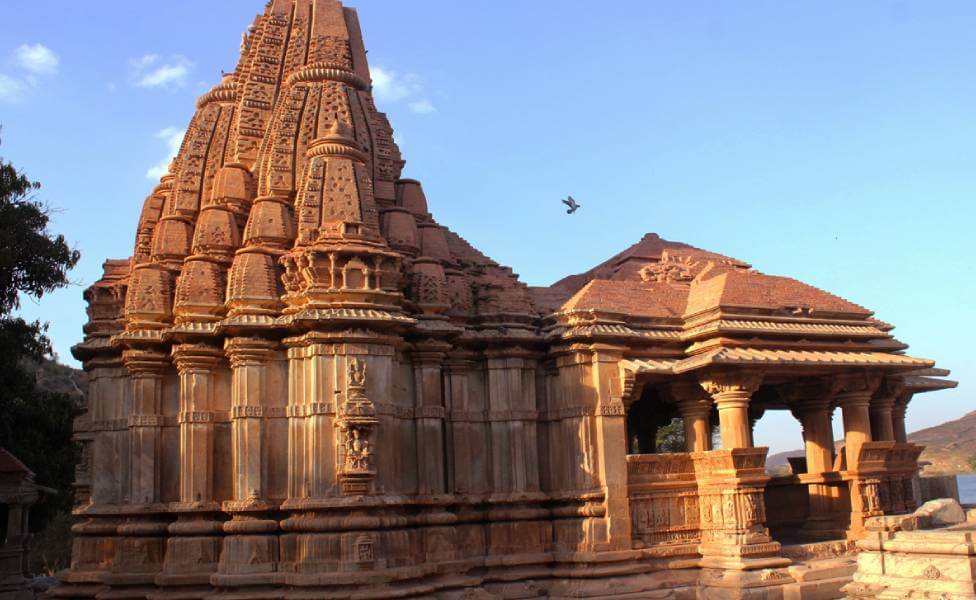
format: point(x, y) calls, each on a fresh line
point(11, 464)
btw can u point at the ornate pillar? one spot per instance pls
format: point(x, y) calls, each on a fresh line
point(695, 407)
point(196, 365)
point(732, 510)
point(731, 392)
point(193, 550)
point(427, 359)
point(141, 545)
point(854, 398)
point(732, 482)
point(250, 546)
point(249, 359)
point(146, 368)
point(468, 461)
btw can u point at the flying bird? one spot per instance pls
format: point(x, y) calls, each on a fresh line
point(571, 203)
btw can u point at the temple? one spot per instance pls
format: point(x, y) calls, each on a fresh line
point(303, 386)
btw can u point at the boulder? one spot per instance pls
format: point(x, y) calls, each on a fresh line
point(942, 512)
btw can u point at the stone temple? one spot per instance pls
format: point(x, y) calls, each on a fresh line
point(303, 386)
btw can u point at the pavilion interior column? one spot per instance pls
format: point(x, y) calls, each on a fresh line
point(193, 550)
point(911, 494)
point(812, 404)
point(732, 482)
point(882, 411)
point(898, 417)
point(695, 407)
point(731, 394)
point(818, 434)
point(854, 397)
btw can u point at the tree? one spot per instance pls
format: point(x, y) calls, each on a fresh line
point(35, 424)
point(972, 463)
point(671, 437)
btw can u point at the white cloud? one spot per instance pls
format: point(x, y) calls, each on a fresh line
point(422, 106)
point(37, 58)
point(151, 71)
point(143, 62)
point(390, 86)
point(11, 89)
point(173, 137)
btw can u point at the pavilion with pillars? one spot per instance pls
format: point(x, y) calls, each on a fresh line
point(302, 385)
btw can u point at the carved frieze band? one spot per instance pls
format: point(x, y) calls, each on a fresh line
point(147, 421)
point(265, 412)
point(612, 410)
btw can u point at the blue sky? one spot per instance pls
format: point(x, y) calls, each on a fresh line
point(829, 141)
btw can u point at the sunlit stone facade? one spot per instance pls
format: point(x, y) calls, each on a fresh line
point(303, 386)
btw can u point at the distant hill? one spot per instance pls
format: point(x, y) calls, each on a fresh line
point(948, 447)
point(57, 378)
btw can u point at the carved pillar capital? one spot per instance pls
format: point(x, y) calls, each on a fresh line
point(196, 358)
point(687, 391)
point(145, 363)
point(428, 357)
point(731, 385)
point(248, 351)
point(855, 388)
point(807, 395)
point(731, 391)
point(901, 402)
point(460, 362)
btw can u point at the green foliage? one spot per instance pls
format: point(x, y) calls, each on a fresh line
point(32, 262)
point(972, 463)
point(51, 547)
point(35, 425)
point(671, 437)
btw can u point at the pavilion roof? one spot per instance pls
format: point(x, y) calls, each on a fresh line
point(800, 358)
point(763, 357)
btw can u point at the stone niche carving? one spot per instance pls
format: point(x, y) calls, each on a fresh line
point(356, 425)
point(360, 276)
